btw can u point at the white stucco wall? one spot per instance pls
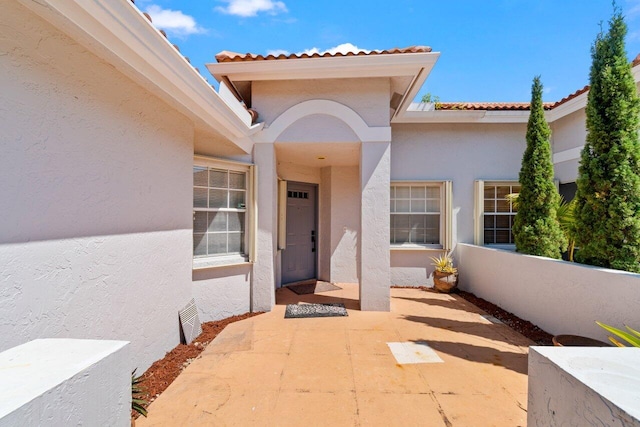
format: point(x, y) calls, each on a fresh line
point(558, 296)
point(374, 236)
point(63, 382)
point(461, 153)
point(368, 97)
point(568, 135)
point(95, 235)
point(412, 267)
point(222, 292)
point(263, 279)
point(324, 225)
point(583, 386)
point(345, 223)
point(318, 128)
point(299, 173)
point(569, 131)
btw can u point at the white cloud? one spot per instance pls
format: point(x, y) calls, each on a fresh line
point(277, 52)
point(173, 21)
point(248, 8)
point(341, 48)
point(633, 8)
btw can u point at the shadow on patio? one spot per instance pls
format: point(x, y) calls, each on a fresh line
point(340, 371)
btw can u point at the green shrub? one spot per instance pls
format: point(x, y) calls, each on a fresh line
point(536, 228)
point(608, 194)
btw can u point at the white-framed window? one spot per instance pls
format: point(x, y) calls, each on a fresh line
point(494, 212)
point(419, 214)
point(221, 201)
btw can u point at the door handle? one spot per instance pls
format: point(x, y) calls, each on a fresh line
point(313, 241)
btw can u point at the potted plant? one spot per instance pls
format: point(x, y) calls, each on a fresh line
point(445, 275)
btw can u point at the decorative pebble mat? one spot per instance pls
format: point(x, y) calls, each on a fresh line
point(413, 352)
point(296, 311)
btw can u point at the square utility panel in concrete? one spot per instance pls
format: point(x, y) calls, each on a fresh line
point(413, 352)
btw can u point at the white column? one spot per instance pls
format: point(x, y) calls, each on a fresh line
point(374, 265)
point(264, 272)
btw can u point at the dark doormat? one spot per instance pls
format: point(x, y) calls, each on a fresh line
point(297, 311)
point(313, 287)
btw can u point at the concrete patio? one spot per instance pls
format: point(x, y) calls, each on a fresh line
point(339, 371)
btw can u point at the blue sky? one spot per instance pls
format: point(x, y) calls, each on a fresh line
point(490, 50)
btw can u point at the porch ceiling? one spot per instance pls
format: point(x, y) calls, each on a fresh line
point(319, 154)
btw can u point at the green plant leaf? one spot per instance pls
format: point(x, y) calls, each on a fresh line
point(633, 331)
point(137, 403)
point(631, 339)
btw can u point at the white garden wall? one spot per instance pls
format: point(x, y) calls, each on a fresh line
point(558, 296)
point(63, 382)
point(95, 231)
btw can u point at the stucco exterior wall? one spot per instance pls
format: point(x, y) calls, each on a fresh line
point(222, 291)
point(412, 267)
point(318, 128)
point(568, 133)
point(95, 235)
point(368, 97)
point(345, 223)
point(461, 153)
point(324, 225)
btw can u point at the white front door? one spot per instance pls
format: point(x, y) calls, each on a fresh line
point(299, 257)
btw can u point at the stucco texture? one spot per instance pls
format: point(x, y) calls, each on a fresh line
point(95, 236)
point(368, 97)
point(558, 296)
point(461, 153)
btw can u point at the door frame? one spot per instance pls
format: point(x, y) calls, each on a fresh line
point(316, 211)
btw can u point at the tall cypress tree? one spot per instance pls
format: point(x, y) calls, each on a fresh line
point(608, 196)
point(536, 228)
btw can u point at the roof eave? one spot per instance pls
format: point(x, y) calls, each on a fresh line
point(119, 33)
point(390, 65)
point(463, 116)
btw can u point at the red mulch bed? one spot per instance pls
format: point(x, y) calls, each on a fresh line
point(524, 327)
point(162, 373)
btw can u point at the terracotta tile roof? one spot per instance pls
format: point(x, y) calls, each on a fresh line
point(517, 106)
point(488, 106)
point(227, 56)
point(570, 97)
